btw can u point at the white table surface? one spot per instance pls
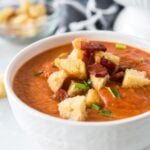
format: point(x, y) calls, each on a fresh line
point(11, 135)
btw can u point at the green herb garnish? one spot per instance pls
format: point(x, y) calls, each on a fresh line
point(115, 93)
point(85, 85)
point(120, 46)
point(95, 107)
point(38, 73)
point(142, 59)
point(106, 113)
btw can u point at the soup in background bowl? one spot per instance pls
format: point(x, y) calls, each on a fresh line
point(110, 82)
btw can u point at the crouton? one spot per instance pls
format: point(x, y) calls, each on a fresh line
point(2, 88)
point(73, 108)
point(76, 42)
point(135, 79)
point(92, 97)
point(98, 55)
point(6, 14)
point(74, 67)
point(37, 10)
point(72, 90)
point(115, 59)
point(56, 80)
point(76, 54)
point(24, 6)
point(98, 82)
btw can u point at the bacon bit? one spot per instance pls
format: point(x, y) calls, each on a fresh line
point(108, 64)
point(97, 69)
point(92, 46)
point(121, 69)
point(118, 76)
point(89, 49)
point(59, 95)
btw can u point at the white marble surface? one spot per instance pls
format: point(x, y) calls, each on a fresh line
point(11, 136)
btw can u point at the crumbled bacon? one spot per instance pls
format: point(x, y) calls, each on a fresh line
point(97, 69)
point(88, 58)
point(108, 64)
point(118, 76)
point(92, 46)
point(89, 48)
point(59, 95)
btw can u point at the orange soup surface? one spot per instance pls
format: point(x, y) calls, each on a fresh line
point(30, 85)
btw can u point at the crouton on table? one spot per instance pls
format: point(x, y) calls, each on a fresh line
point(2, 88)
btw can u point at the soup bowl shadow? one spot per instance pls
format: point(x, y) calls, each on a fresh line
point(58, 134)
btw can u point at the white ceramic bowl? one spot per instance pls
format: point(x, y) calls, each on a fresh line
point(144, 4)
point(58, 134)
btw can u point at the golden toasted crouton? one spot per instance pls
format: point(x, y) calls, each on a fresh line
point(74, 67)
point(24, 6)
point(73, 108)
point(98, 82)
point(32, 28)
point(135, 79)
point(56, 80)
point(2, 88)
point(37, 10)
point(76, 42)
point(76, 53)
point(92, 97)
point(98, 55)
point(115, 59)
point(6, 13)
point(72, 90)
point(18, 20)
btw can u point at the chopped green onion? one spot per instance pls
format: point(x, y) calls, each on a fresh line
point(142, 59)
point(95, 107)
point(88, 83)
point(85, 85)
point(120, 46)
point(106, 113)
point(38, 73)
point(115, 93)
point(81, 86)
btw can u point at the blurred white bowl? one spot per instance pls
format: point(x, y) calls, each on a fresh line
point(58, 134)
point(145, 4)
point(133, 21)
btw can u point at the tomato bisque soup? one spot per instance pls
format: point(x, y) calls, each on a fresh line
point(87, 81)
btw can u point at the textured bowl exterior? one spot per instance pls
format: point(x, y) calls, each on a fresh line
point(144, 4)
point(58, 134)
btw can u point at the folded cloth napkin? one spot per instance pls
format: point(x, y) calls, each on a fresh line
point(86, 14)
